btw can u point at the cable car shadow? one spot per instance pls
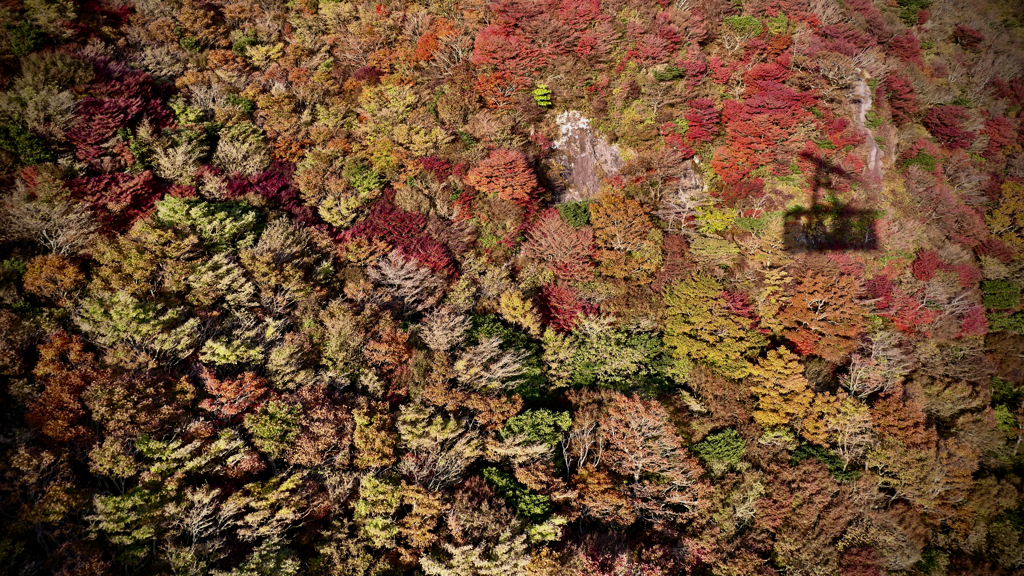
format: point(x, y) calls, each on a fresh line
point(829, 224)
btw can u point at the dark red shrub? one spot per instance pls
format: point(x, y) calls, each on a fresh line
point(1000, 132)
point(439, 167)
point(275, 186)
point(969, 274)
point(902, 98)
point(974, 323)
point(880, 287)
point(702, 117)
point(562, 307)
point(907, 47)
point(967, 37)
point(926, 264)
point(946, 124)
point(720, 71)
point(677, 263)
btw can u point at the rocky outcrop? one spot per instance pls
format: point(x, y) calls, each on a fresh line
point(681, 202)
point(691, 182)
point(861, 101)
point(582, 159)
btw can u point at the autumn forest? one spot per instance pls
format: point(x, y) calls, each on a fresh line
point(511, 287)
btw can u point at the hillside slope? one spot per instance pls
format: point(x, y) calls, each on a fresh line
point(522, 287)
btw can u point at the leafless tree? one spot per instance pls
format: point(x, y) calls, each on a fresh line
point(60, 224)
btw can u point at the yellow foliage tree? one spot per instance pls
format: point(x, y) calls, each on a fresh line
point(520, 311)
point(1007, 219)
point(784, 395)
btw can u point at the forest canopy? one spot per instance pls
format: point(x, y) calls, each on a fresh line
point(516, 287)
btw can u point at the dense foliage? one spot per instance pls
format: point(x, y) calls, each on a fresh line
point(311, 287)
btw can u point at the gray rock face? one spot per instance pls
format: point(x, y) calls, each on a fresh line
point(682, 201)
point(691, 182)
point(861, 101)
point(582, 159)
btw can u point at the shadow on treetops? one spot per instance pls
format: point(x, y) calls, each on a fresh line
point(829, 224)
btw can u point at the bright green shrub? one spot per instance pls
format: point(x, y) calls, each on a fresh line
point(542, 426)
point(744, 25)
point(220, 226)
point(542, 96)
point(726, 446)
point(575, 214)
point(1000, 294)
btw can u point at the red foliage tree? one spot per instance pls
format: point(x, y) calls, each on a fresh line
point(880, 288)
point(946, 124)
point(720, 71)
point(275, 186)
point(902, 98)
point(739, 304)
point(766, 72)
point(843, 39)
point(643, 447)
point(926, 264)
point(703, 118)
point(677, 263)
point(909, 314)
point(567, 250)
point(760, 131)
point(967, 37)
point(506, 50)
point(873, 18)
point(861, 562)
point(98, 122)
point(907, 47)
point(974, 323)
point(65, 369)
point(231, 398)
point(498, 88)
point(654, 44)
point(969, 274)
point(824, 317)
point(562, 307)
point(579, 15)
point(120, 197)
point(1000, 132)
point(695, 63)
point(403, 230)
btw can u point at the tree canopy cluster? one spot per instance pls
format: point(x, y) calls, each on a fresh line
point(302, 288)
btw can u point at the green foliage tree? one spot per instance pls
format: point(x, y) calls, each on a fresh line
point(377, 504)
point(700, 327)
point(242, 148)
point(722, 449)
point(1000, 294)
point(136, 331)
point(220, 226)
point(532, 506)
point(596, 352)
point(542, 426)
point(273, 427)
point(575, 214)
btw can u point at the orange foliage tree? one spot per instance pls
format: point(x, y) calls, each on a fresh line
point(628, 244)
point(506, 174)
